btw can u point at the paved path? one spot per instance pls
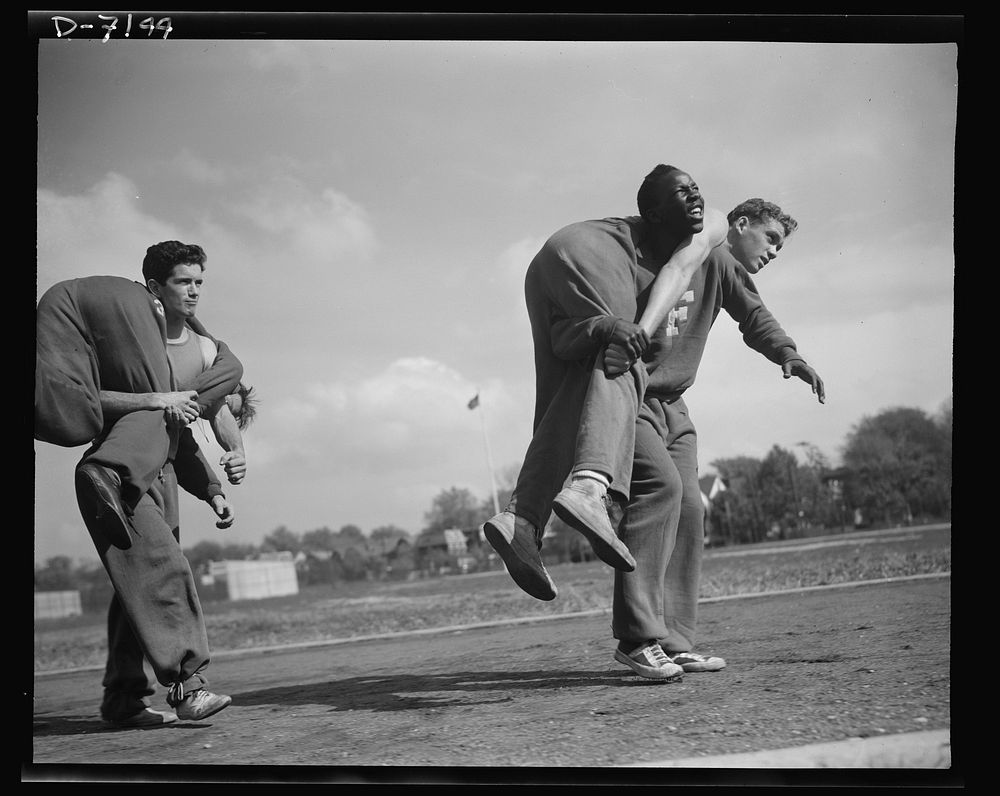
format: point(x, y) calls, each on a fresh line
point(855, 676)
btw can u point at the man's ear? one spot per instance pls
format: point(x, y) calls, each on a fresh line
point(741, 224)
point(153, 286)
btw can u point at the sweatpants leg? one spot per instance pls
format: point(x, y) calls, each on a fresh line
point(648, 530)
point(156, 590)
point(606, 438)
point(683, 577)
point(135, 446)
point(549, 457)
point(126, 687)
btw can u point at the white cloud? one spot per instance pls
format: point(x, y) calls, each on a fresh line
point(101, 232)
point(331, 227)
point(197, 169)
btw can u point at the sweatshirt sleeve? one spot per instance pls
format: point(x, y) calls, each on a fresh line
point(194, 474)
point(761, 330)
point(221, 379)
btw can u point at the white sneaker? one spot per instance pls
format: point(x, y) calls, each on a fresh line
point(693, 662)
point(649, 660)
point(198, 704)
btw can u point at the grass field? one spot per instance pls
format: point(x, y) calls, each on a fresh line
point(365, 608)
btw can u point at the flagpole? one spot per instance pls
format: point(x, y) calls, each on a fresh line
point(489, 456)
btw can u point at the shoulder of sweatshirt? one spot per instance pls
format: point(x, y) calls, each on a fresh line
point(585, 235)
point(198, 328)
point(728, 268)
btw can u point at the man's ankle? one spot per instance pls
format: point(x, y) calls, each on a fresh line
point(594, 482)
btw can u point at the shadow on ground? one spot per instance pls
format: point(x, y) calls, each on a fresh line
point(417, 692)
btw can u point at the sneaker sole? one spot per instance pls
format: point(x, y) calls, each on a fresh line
point(617, 557)
point(143, 724)
point(95, 508)
point(526, 577)
point(702, 667)
point(649, 672)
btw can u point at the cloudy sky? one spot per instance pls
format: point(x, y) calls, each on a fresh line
point(369, 209)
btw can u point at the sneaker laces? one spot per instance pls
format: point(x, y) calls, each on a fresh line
point(657, 655)
point(694, 656)
point(175, 693)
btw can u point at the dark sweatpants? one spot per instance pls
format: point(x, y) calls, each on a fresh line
point(155, 613)
point(663, 527)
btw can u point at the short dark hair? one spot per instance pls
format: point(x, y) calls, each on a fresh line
point(760, 211)
point(647, 197)
point(161, 258)
point(248, 410)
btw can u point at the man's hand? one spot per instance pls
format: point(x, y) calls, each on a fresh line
point(616, 360)
point(235, 465)
point(798, 367)
point(631, 337)
point(180, 408)
point(223, 511)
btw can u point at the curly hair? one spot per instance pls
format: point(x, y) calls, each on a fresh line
point(248, 409)
point(760, 211)
point(647, 198)
point(161, 258)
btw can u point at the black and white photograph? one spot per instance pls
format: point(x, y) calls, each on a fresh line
point(380, 436)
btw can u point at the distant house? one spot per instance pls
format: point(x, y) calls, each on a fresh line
point(459, 543)
point(55, 604)
point(254, 580)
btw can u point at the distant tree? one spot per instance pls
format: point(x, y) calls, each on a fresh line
point(233, 551)
point(900, 463)
point(739, 517)
point(203, 552)
point(319, 539)
point(455, 508)
point(778, 489)
point(355, 564)
point(58, 574)
point(351, 536)
point(281, 539)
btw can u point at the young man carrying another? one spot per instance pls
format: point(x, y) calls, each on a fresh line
point(102, 363)
point(654, 469)
point(581, 295)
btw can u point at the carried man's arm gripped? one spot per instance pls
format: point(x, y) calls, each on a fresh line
point(668, 287)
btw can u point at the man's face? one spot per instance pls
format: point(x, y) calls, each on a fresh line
point(179, 294)
point(681, 206)
point(756, 243)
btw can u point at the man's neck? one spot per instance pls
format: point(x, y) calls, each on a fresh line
point(175, 327)
point(658, 242)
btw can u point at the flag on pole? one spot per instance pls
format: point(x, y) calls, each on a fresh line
point(474, 402)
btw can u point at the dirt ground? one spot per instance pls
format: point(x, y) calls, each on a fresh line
point(806, 667)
